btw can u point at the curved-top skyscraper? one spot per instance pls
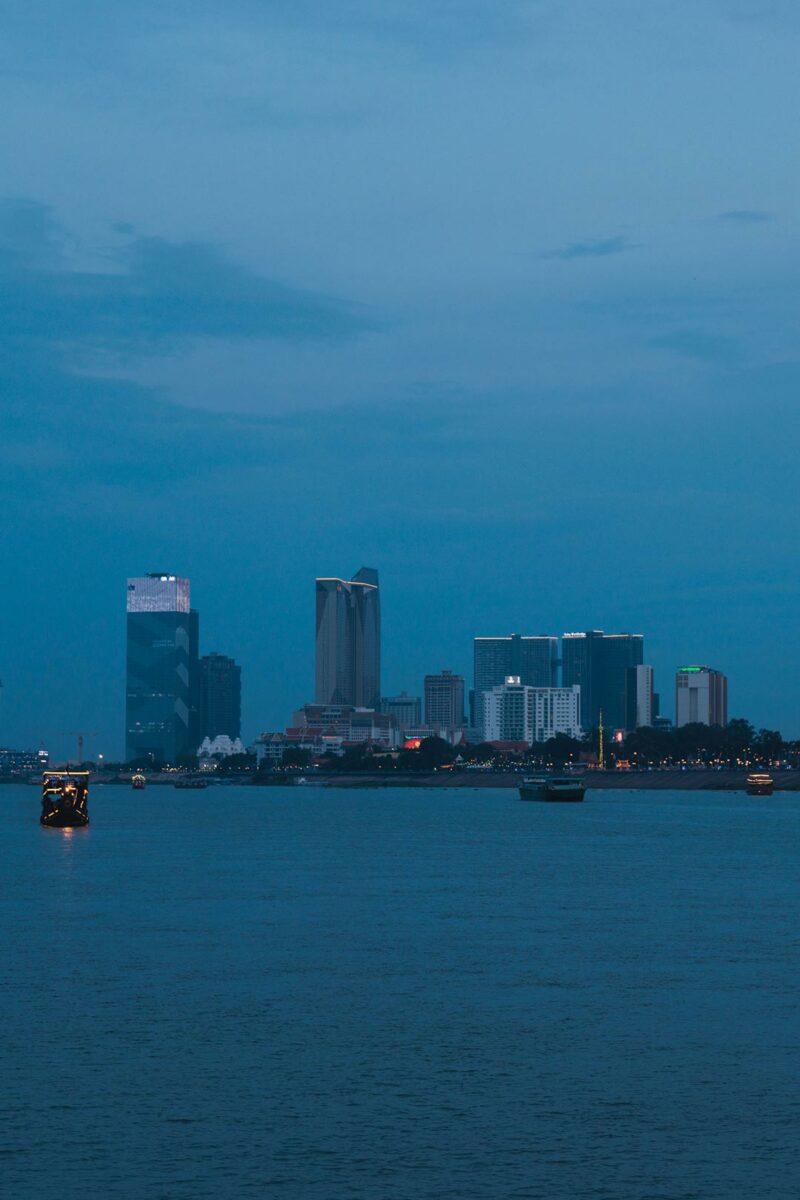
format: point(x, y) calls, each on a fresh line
point(348, 640)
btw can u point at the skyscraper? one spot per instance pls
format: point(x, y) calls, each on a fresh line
point(220, 696)
point(405, 709)
point(348, 640)
point(161, 693)
point(640, 700)
point(533, 659)
point(701, 695)
point(598, 662)
point(444, 700)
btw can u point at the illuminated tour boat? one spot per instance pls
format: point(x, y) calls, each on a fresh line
point(65, 796)
point(759, 784)
point(137, 782)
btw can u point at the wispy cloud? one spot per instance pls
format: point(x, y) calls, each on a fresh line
point(745, 216)
point(151, 295)
point(62, 328)
point(697, 344)
point(591, 248)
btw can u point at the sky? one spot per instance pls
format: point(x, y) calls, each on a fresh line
point(498, 298)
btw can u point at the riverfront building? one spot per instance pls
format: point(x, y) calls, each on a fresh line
point(162, 676)
point(348, 640)
point(220, 696)
point(701, 695)
point(533, 659)
point(513, 712)
point(597, 662)
point(345, 721)
point(444, 701)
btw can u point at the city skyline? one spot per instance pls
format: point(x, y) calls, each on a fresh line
point(155, 594)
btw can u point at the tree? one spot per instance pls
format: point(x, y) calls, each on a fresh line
point(483, 752)
point(738, 738)
point(561, 749)
point(295, 756)
point(238, 764)
point(147, 762)
point(770, 744)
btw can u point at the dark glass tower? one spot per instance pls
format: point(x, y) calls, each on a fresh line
point(444, 700)
point(220, 696)
point(599, 662)
point(348, 640)
point(533, 659)
point(161, 695)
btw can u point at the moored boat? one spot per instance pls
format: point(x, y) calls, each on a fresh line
point(137, 782)
point(552, 787)
point(65, 796)
point(759, 784)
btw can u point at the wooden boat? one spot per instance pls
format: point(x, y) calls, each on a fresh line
point(65, 796)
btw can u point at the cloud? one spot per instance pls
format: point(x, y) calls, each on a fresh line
point(150, 295)
point(745, 216)
point(66, 332)
point(694, 343)
point(58, 42)
point(592, 248)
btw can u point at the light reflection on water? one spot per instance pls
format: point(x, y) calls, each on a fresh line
point(319, 994)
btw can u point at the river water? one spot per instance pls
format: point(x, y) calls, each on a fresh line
point(401, 994)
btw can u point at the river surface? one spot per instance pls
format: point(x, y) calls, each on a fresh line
point(401, 994)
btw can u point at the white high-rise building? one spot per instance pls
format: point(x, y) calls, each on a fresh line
point(639, 697)
point(513, 712)
point(701, 696)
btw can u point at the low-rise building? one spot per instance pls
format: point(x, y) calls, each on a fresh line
point(270, 748)
point(350, 723)
point(221, 746)
point(23, 762)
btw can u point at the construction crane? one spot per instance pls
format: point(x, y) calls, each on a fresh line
point(80, 734)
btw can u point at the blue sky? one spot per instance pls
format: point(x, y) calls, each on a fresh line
point(498, 298)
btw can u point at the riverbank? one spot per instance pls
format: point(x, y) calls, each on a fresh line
point(689, 780)
point(725, 781)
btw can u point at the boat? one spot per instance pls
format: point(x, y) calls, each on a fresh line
point(65, 796)
point(759, 784)
point(552, 787)
point(191, 783)
point(137, 782)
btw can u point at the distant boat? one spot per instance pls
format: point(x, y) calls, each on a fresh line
point(552, 787)
point(191, 783)
point(759, 784)
point(138, 782)
point(65, 796)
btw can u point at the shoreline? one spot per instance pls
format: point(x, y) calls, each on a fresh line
point(669, 780)
point(717, 781)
